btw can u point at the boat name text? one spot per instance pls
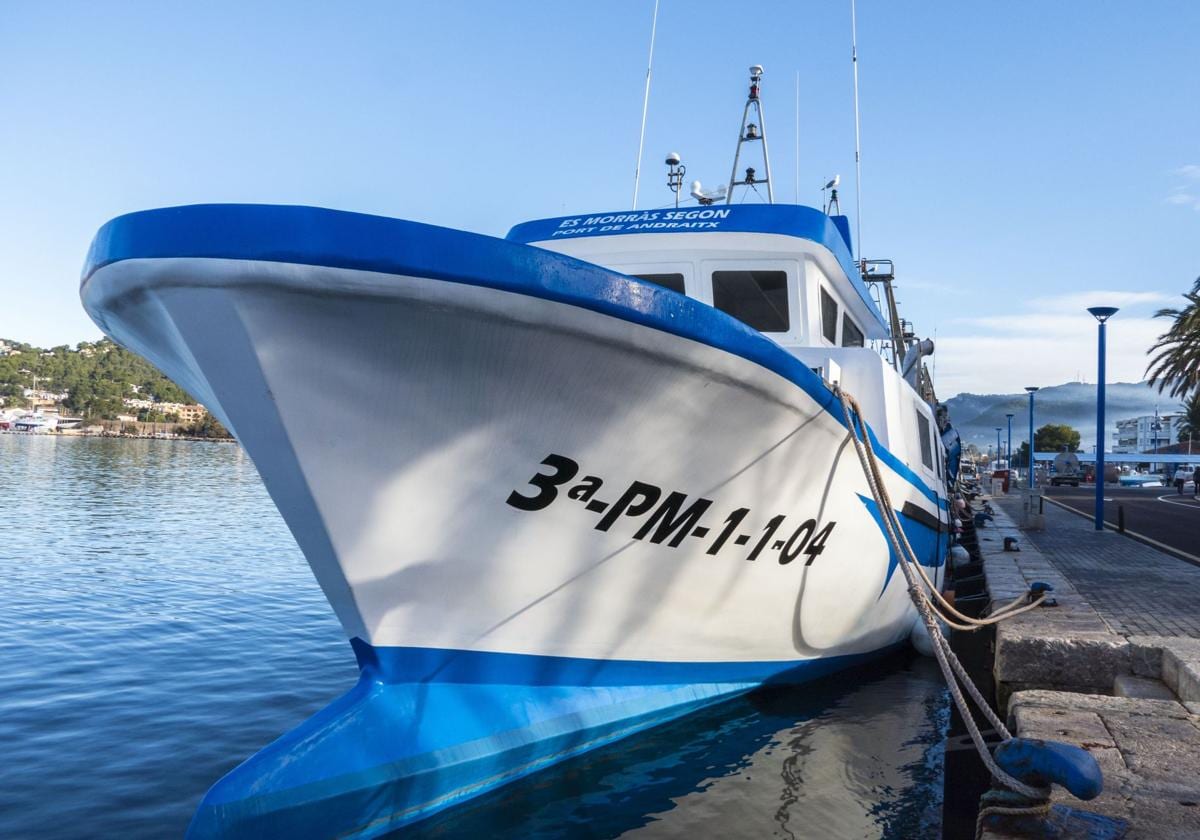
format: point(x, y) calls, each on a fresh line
point(668, 517)
point(707, 219)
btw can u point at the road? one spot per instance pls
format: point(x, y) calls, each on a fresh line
point(1157, 515)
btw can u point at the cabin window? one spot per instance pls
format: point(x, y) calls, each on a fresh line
point(852, 336)
point(829, 309)
point(756, 298)
point(926, 440)
point(674, 282)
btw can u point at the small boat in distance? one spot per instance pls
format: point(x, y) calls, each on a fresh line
point(37, 422)
point(598, 474)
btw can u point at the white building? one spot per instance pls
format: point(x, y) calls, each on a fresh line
point(183, 412)
point(44, 396)
point(1144, 434)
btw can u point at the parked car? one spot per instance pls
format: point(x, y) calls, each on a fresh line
point(1141, 480)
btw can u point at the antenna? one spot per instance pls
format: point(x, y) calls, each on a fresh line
point(675, 172)
point(707, 198)
point(637, 170)
point(857, 134)
point(751, 133)
point(797, 136)
point(833, 204)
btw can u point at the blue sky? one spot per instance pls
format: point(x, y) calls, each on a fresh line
point(1020, 160)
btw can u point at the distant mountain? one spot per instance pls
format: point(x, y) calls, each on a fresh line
point(976, 416)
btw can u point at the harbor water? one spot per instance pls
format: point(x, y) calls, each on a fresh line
point(159, 625)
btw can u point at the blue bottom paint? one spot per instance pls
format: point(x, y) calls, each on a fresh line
point(390, 752)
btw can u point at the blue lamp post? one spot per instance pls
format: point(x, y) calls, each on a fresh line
point(999, 451)
point(1155, 428)
point(1101, 314)
point(1009, 447)
point(1032, 389)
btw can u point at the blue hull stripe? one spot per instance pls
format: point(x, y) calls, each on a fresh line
point(337, 239)
point(388, 754)
point(429, 665)
point(926, 542)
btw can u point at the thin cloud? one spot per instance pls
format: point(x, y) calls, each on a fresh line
point(1082, 300)
point(930, 286)
point(1006, 364)
point(1182, 195)
point(1053, 340)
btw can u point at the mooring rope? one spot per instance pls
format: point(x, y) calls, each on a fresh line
point(1039, 809)
point(952, 670)
point(1015, 607)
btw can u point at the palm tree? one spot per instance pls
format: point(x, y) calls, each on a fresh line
point(1188, 423)
point(1177, 365)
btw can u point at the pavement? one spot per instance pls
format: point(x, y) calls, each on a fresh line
point(1136, 588)
point(1157, 515)
point(1114, 669)
point(1147, 750)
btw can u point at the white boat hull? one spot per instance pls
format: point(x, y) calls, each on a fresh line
point(501, 487)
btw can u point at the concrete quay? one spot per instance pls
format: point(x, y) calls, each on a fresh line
point(1113, 669)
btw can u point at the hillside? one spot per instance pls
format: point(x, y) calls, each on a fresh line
point(977, 415)
point(89, 380)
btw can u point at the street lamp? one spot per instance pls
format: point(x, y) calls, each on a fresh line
point(1155, 428)
point(1010, 417)
point(999, 451)
point(1101, 314)
point(1032, 389)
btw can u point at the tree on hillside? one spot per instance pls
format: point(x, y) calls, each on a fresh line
point(96, 381)
point(1053, 437)
point(13, 396)
point(1188, 423)
point(206, 427)
point(1177, 363)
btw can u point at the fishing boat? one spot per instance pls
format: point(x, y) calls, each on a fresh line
point(598, 473)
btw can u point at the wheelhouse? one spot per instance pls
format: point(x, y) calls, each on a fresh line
point(784, 270)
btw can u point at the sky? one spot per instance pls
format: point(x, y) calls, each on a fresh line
point(1021, 161)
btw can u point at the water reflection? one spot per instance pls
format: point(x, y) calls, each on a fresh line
point(856, 755)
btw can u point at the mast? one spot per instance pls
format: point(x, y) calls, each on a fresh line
point(637, 170)
point(797, 136)
point(752, 133)
point(857, 136)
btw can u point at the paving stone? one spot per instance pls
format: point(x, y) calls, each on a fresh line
point(1152, 815)
point(1158, 749)
point(1084, 660)
point(1145, 655)
point(1098, 703)
point(1127, 685)
point(1083, 728)
point(1181, 671)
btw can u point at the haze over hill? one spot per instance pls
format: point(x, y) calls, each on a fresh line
point(976, 416)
